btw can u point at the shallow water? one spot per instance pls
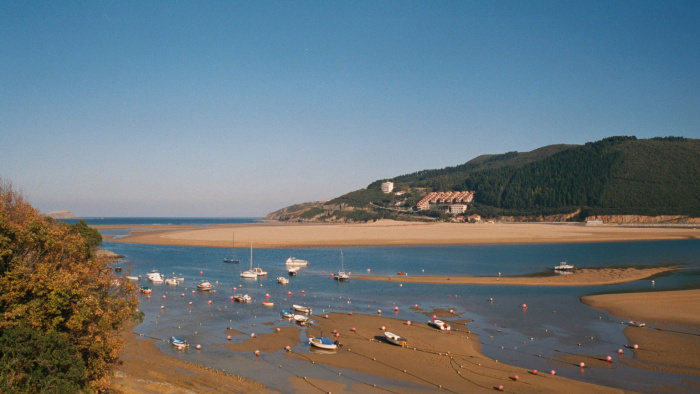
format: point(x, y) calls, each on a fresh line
point(555, 319)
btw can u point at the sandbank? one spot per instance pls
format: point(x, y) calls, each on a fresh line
point(388, 232)
point(433, 360)
point(582, 277)
point(670, 341)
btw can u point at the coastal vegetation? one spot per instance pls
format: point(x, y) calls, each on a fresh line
point(614, 176)
point(60, 306)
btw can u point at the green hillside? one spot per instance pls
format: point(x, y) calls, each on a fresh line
point(617, 175)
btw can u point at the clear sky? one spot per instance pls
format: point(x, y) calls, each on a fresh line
point(239, 108)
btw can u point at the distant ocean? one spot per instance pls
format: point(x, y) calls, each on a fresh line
point(195, 221)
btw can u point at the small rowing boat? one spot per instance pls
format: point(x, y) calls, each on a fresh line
point(302, 309)
point(439, 324)
point(323, 343)
point(178, 342)
point(301, 319)
point(395, 339)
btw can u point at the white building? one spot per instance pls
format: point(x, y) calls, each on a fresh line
point(457, 208)
point(387, 187)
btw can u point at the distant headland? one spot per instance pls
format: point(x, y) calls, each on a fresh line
point(61, 214)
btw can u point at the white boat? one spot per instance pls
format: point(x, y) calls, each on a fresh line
point(243, 298)
point(233, 249)
point(293, 271)
point(132, 277)
point(204, 286)
point(395, 339)
point(155, 276)
point(302, 309)
point(268, 303)
point(282, 280)
point(637, 324)
point(323, 343)
point(177, 342)
point(564, 267)
point(295, 262)
point(341, 275)
point(250, 274)
point(439, 324)
point(172, 281)
point(300, 319)
point(286, 314)
point(259, 272)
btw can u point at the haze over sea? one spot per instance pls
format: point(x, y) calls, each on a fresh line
point(555, 319)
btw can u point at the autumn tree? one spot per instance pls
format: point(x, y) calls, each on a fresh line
point(53, 288)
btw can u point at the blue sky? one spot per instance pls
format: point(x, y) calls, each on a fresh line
point(239, 108)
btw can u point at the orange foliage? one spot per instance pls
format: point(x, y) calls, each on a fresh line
point(51, 281)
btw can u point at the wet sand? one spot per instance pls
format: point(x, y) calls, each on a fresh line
point(387, 232)
point(670, 341)
point(583, 277)
point(143, 368)
point(433, 359)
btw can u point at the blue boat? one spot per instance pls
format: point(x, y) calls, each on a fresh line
point(287, 314)
point(175, 341)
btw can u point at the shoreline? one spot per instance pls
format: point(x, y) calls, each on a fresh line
point(390, 233)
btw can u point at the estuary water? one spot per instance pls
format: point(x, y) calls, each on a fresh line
point(555, 322)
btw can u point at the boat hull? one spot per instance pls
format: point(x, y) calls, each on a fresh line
point(323, 343)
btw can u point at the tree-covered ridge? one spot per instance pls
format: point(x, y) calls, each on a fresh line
point(614, 176)
point(55, 294)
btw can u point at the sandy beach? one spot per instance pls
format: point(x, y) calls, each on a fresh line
point(387, 232)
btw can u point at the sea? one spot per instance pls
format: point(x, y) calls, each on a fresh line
point(554, 324)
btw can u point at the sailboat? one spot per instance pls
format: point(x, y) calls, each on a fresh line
point(233, 248)
point(341, 275)
point(250, 274)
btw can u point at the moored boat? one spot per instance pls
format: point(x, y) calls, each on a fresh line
point(178, 342)
point(233, 249)
point(301, 319)
point(341, 275)
point(563, 266)
point(637, 324)
point(204, 286)
point(302, 309)
point(323, 343)
point(439, 324)
point(268, 303)
point(286, 314)
point(295, 262)
point(282, 280)
point(155, 276)
point(259, 272)
point(172, 282)
point(250, 274)
point(133, 277)
point(293, 271)
point(146, 290)
point(395, 339)
point(243, 298)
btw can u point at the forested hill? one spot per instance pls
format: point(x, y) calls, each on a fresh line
point(614, 176)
